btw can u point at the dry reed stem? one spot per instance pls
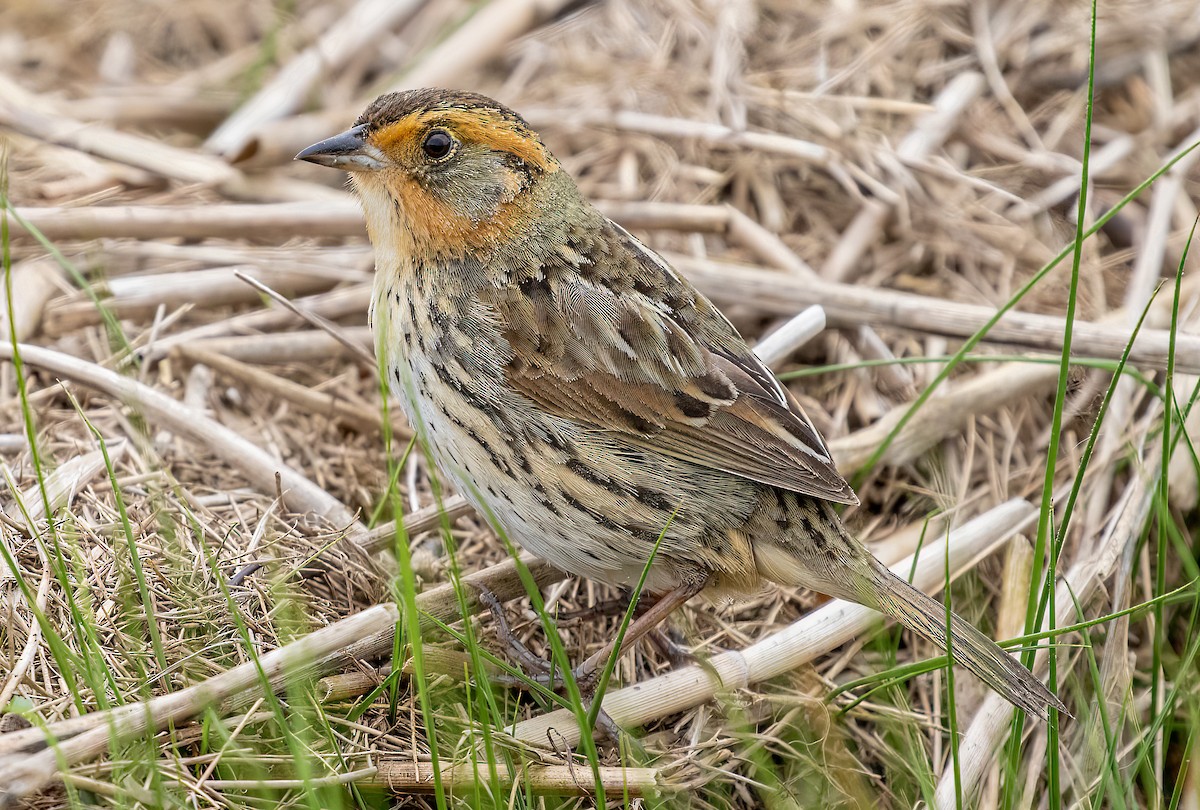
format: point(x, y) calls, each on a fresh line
point(62, 484)
point(811, 636)
point(1102, 160)
point(340, 217)
point(356, 29)
point(1010, 620)
point(770, 249)
point(667, 127)
point(34, 283)
point(317, 402)
point(895, 378)
point(365, 356)
point(286, 347)
point(31, 115)
point(943, 415)
point(847, 305)
point(140, 106)
point(668, 216)
point(337, 303)
point(404, 777)
point(437, 661)
point(794, 333)
point(279, 220)
point(300, 494)
point(422, 520)
point(23, 774)
point(140, 296)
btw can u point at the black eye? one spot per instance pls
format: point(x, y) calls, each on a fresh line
point(437, 144)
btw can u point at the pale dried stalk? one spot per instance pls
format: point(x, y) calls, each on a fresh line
point(34, 283)
point(769, 248)
point(346, 262)
point(342, 217)
point(943, 415)
point(928, 134)
point(155, 106)
point(437, 661)
point(22, 774)
point(772, 251)
point(139, 296)
point(811, 636)
point(300, 494)
point(280, 220)
point(1010, 615)
point(34, 116)
point(1103, 160)
point(365, 356)
point(82, 175)
point(848, 305)
point(667, 216)
point(286, 347)
point(332, 305)
point(63, 484)
point(894, 378)
point(406, 777)
point(779, 344)
point(665, 127)
point(1143, 282)
point(357, 29)
point(317, 402)
point(782, 96)
point(990, 725)
point(422, 520)
point(1169, 194)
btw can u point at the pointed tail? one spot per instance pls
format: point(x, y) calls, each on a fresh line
point(969, 647)
point(827, 558)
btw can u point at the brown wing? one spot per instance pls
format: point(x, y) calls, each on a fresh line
point(644, 354)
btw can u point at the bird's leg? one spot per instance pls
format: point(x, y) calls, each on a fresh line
point(531, 662)
point(586, 672)
point(669, 644)
point(606, 607)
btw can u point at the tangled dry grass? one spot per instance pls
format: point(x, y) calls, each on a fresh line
point(846, 152)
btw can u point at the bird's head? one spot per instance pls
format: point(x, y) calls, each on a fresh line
point(444, 172)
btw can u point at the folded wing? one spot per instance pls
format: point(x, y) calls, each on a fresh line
point(642, 353)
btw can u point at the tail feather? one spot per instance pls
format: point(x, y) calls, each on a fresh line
point(828, 559)
point(968, 646)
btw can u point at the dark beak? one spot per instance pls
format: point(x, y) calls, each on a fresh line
point(345, 151)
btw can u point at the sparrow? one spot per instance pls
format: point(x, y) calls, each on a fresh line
point(585, 397)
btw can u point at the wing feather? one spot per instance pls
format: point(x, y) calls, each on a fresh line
point(646, 355)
